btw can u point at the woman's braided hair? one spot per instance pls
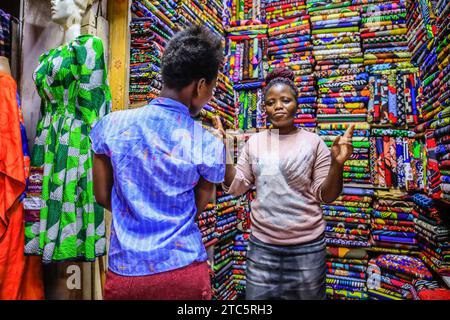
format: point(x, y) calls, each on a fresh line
point(281, 75)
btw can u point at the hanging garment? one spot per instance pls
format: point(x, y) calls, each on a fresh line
point(72, 83)
point(20, 276)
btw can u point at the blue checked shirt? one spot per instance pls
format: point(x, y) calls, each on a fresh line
point(158, 154)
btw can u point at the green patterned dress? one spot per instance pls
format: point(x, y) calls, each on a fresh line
point(72, 83)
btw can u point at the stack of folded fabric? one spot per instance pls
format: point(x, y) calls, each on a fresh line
point(384, 34)
point(247, 52)
point(442, 136)
point(208, 14)
point(393, 99)
point(429, 40)
point(391, 277)
point(442, 9)
point(348, 218)
point(223, 280)
point(393, 227)
point(227, 207)
point(290, 46)
point(341, 80)
point(206, 222)
point(246, 65)
point(421, 28)
point(243, 11)
point(390, 152)
point(416, 179)
point(32, 205)
point(433, 232)
point(239, 268)
point(430, 290)
point(346, 273)
point(392, 80)
point(248, 106)
point(440, 87)
point(356, 169)
point(150, 29)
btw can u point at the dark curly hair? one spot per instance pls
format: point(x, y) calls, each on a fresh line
point(281, 75)
point(191, 54)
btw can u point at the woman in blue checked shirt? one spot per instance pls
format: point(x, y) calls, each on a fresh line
point(154, 169)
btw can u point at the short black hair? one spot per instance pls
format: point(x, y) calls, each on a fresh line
point(191, 54)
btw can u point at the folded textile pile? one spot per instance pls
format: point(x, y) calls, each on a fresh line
point(150, 30)
point(441, 8)
point(416, 178)
point(206, 222)
point(348, 218)
point(442, 153)
point(391, 153)
point(422, 28)
point(227, 208)
point(391, 277)
point(433, 232)
point(248, 101)
point(356, 169)
point(32, 205)
point(223, 280)
point(341, 80)
point(204, 13)
point(432, 58)
point(392, 81)
point(247, 52)
point(384, 34)
point(436, 96)
point(393, 99)
point(290, 46)
point(243, 12)
point(393, 228)
point(239, 267)
point(346, 274)
point(430, 290)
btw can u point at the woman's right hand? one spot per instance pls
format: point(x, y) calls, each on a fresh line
point(220, 131)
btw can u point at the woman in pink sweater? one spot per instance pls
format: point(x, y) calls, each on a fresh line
point(293, 171)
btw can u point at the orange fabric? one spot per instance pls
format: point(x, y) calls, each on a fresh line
point(20, 276)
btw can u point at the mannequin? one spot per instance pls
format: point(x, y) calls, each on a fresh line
point(4, 65)
point(68, 14)
point(71, 81)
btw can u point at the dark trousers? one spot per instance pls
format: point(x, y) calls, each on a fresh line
point(286, 272)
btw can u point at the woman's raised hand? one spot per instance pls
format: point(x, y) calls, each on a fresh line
point(342, 147)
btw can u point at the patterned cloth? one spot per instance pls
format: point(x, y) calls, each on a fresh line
point(73, 100)
point(156, 222)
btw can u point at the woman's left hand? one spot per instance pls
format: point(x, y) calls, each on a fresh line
point(342, 147)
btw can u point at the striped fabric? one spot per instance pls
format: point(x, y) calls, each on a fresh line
point(158, 154)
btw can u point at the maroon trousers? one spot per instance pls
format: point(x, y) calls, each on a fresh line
point(188, 283)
